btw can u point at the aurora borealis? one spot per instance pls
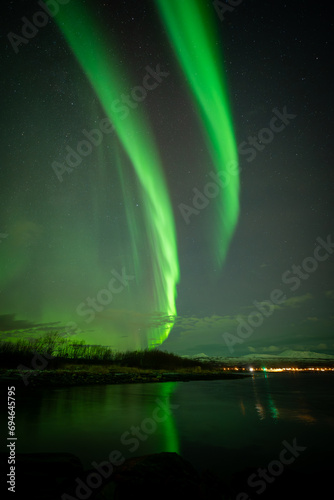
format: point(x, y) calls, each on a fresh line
point(192, 32)
point(138, 142)
point(154, 188)
point(157, 235)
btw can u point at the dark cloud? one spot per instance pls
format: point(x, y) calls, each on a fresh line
point(11, 327)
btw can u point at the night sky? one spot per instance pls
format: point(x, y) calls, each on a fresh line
point(133, 243)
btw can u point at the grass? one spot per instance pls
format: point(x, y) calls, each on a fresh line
point(64, 353)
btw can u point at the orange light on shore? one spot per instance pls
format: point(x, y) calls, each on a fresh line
point(280, 369)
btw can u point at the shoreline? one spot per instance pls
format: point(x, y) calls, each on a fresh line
point(68, 378)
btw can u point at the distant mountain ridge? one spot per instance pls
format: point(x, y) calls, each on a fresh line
point(287, 354)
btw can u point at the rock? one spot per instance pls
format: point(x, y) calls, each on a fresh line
point(161, 476)
point(42, 476)
point(60, 476)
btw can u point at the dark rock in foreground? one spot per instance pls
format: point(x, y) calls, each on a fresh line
point(60, 476)
point(41, 476)
point(160, 476)
point(153, 476)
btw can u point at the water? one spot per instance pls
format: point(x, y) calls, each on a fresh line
point(224, 426)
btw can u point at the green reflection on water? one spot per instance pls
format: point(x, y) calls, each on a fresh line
point(265, 405)
point(92, 421)
point(171, 435)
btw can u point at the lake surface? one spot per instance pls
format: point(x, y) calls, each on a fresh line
point(224, 425)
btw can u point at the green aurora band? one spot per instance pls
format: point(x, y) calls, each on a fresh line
point(191, 28)
point(84, 38)
point(65, 240)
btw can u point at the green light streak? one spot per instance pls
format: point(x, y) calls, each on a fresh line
point(169, 427)
point(191, 28)
point(101, 67)
point(132, 219)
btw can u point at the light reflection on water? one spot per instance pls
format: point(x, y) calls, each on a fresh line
point(92, 421)
point(243, 423)
point(267, 408)
point(239, 422)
